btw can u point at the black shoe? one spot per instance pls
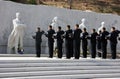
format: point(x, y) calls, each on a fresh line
point(50, 57)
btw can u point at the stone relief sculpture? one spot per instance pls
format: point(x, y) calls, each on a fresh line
point(15, 39)
point(101, 26)
point(82, 25)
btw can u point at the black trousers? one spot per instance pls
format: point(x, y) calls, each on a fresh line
point(93, 50)
point(84, 48)
point(113, 49)
point(50, 45)
point(104, 49)
point(38, 48)
point(99, 48)
point(72, 51)
point(59, 46)
point(69, 48)
point(77, 48)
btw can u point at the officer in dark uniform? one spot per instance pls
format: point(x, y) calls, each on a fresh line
point(93, 37)
point(59, 38)
point(38, 40)
point(84, 42)
point(104, 35)
point(49, 34)
point(99, 44)
point(113, 41)
point(77, 41)
point(69, 42)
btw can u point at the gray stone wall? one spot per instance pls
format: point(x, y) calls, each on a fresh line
point(39, 15)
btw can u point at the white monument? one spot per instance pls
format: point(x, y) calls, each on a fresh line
point(15, 39)
point(102, 25)
point(82, 25)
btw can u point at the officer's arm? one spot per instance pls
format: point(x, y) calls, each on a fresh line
point(34, 37)
point(55, 36)
point(43, 32)
point(46, 34)
point(63, 35)
point(89, 37)
point(108, 37)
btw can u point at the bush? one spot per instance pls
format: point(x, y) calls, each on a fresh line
point(31, 1)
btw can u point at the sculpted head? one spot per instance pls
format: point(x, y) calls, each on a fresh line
point(102, 24)
point(83, 20)
point(55, 19)
point(18, 15)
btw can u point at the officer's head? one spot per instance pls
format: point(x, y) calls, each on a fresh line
point(49, 27)
point(84, 30)
point(93, 30)
point(103, 29)
point(38, 28)
point(76, 26)
point(112, 29)
point(100, 32)
point(68, 27)
point(59, 28)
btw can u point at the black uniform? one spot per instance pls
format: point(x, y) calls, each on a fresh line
point(99, 45)
point(113, 43)
point(84, 43)
point(69, 43)
point(38, 40)
point(104, 43)
point(93, 44)
point(50, 41)
point(59, 38)
point(77, 42)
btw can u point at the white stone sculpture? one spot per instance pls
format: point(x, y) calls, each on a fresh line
point(102, 25)
point(82, 25)
point(15, 39)
point(54, 23)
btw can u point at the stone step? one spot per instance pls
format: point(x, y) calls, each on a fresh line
point(15, 65)
point(44, 68)
point(29, 69)
point(54, 60)
point(75, 76)
point(66, 72)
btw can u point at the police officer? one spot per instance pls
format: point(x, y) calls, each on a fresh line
point(69, 42)
point(77, 41)
point(104, 35)
point(38, 40)
point(93, 43)
point(99, 44)
point(84, 42)
point(59, 37)
point(49, 34)
point(113, 41)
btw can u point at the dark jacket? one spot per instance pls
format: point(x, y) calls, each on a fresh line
point(113, 37)
point(50, 35)
point(93, 37)
point(77, 33)
point(38, 36)
point(84, 37)
point(59, 36)
point(69, 35)
point(103, 36)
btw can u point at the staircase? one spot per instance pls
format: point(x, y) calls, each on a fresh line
point(46, 68)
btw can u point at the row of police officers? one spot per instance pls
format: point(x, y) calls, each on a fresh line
point(76, 38)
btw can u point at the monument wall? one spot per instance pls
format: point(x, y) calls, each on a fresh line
point(40, 15)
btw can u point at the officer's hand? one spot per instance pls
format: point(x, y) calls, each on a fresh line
point(33, 37)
